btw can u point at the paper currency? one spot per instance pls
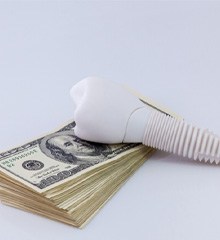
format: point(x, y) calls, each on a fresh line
point(64, 178)
point(66, 172)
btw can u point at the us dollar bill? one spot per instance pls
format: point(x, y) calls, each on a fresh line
point(57, 157)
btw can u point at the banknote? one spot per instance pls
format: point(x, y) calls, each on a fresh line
point(57, 157)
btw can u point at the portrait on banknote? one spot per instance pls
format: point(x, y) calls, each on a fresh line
point(66, 147)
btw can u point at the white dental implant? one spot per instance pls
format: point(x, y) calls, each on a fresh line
point(108, 113)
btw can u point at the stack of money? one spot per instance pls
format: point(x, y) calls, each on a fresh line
point(64, 178)
point(67, 179)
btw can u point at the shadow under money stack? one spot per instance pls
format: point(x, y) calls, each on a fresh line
point(64, 178)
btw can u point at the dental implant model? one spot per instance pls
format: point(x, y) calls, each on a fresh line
point(108, 113)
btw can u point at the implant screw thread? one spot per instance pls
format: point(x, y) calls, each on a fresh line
point(176, 136)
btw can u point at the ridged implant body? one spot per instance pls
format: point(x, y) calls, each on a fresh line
point(176, 136)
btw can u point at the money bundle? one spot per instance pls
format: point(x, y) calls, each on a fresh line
point(64, 178)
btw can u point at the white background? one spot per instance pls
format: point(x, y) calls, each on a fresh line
point(168, 51)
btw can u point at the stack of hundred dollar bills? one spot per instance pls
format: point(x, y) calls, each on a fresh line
point(64, 178)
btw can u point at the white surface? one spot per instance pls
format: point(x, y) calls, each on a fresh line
point(168, 51)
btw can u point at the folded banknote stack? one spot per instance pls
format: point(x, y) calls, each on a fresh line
point(64, 178)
